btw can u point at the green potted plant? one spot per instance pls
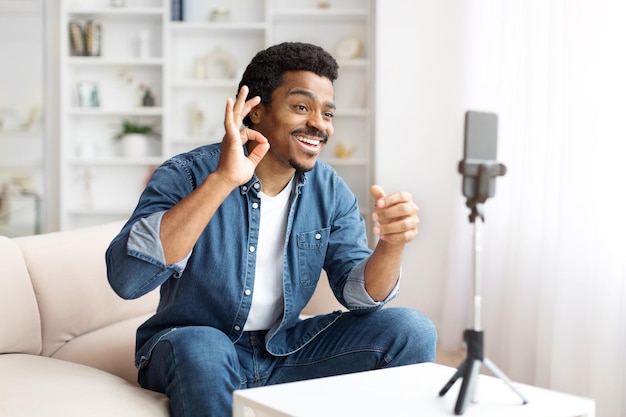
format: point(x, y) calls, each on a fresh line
point(136, 138)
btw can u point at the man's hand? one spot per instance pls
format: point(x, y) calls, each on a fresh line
point(396, 216)
point(182, 224)
point(397, 221)
point(234, 167)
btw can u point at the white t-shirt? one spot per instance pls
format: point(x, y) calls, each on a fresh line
point(267, 295)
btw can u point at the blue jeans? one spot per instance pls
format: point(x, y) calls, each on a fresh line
point(198, 368)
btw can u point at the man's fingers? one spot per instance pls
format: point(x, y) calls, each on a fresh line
point(236, 111)
point(258, 153)
point(229, 123)
point(240, 102)
point(243, 106)
point(402, 209)
point(397, 198)
point(395, 214)
point(398, 230)
point(377, 193)
point(250, 134)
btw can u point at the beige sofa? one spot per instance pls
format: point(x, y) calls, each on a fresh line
point(66, 339)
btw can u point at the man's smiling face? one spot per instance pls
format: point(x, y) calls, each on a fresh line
point(298, 121)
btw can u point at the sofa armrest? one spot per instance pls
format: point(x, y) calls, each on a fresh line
point(20, 327)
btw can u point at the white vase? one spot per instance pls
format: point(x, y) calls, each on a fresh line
point(135, 145)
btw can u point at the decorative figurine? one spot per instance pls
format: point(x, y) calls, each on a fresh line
point(148, 99)
point(343, 152)
point(220, 14)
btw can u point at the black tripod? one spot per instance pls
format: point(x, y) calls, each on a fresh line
point(469, 368)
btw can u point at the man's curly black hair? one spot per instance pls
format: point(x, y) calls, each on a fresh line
point(265, 72)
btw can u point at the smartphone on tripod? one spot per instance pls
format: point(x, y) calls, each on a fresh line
point(479, 169)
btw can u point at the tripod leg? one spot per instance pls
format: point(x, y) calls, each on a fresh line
point(467, 386)
point(459, 372)
point(497, 372)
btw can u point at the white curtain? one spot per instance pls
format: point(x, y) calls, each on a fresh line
point(554, 293)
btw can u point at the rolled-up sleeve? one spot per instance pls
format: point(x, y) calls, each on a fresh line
point(144, 239)
point(355, 294)
point(135, 259)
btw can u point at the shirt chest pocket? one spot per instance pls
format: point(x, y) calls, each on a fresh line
point(311, 254)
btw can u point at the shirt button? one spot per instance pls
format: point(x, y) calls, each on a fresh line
point(237, 328)
point(255, 205)
point(247, 291)
point(256, 185)
point(318, 236)
point(251, 248)
point(245, 187)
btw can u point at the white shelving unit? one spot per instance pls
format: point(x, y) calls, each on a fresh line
point(193, 66)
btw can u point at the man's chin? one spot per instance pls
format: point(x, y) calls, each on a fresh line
point(298, 166)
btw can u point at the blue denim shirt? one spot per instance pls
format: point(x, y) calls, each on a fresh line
point(213, 285)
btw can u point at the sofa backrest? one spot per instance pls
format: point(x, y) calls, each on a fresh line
point(20, 328)
point(68, 273)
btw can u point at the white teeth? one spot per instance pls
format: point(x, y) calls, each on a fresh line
point(314, 142)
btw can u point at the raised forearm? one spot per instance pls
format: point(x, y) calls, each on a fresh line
point(182, 225)
point(383, 270)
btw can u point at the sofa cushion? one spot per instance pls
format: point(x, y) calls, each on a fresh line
point(20, 328)
point(116, 356)
point(40, 386)
point(68, 273)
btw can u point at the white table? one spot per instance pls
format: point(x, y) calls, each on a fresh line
point(403, 391)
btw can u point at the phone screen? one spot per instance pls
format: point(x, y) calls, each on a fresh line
point(480, 147)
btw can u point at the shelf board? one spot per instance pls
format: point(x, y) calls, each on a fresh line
point(352, 63)
point(206, 83)
point(104, 111)
point(193, 141)
point(20, 166)
point(130, 12)
point(113, 211)
point(116, 161)
point(330, 12)
point(352, 112)
point(191, 27)
point(344, 162)
point(113, 61)
point(15, 134)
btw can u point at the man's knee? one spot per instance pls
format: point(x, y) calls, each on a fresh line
point(202, 347)
point(197, 368)
point(415, 332)
point(191, 353)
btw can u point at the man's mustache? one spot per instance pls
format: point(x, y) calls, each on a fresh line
point(312, 132)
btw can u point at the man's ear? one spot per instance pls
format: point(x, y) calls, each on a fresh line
point(256, 113)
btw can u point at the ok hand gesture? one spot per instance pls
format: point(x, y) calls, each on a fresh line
point(234, 167)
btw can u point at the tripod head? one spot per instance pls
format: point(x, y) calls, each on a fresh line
point(479, 166)
point(479, 183)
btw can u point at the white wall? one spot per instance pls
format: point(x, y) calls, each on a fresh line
point(419, 132)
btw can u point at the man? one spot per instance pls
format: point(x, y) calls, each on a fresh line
point(237, 234)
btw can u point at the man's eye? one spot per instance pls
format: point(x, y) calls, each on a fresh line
point(329, 115)
point(301, 107)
